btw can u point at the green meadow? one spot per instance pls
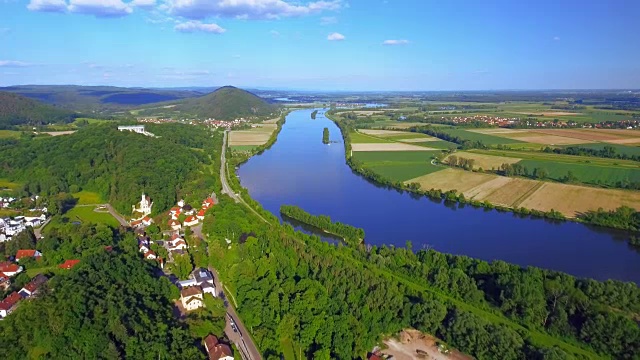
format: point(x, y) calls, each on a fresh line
point(398, 165)
point(88, 215)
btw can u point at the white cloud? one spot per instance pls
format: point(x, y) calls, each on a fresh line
point(328, 20)
point(274, 33)
point(335, 37)
point(48, 5)
point(13, 63)
point(194, 26)
point(556, 38)
point(248, 9)
point(144, 4)
point(395, 42)
point(100, 8)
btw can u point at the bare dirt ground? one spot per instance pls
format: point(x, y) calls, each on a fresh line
point(389, 147)
point(549, 113)
point(580, 134)
point(629, 141)
point(552, 140)
point(572, 200)
point(451, 179)
point(255, 136)
point(414, 345)
point(487, 162)
point(419, 140)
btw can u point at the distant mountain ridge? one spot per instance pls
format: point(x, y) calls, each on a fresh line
point(19, 110)
point(98, 97)
point(227, 103)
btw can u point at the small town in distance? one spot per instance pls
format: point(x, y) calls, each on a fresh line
point(291, 180)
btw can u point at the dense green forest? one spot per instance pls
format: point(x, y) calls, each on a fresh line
point(351, 235)
point(325, 136)
point(110, 306)
point(19, 110)
point(117, 165)
point(228, 103)
point(313, 114)
point(334, 302)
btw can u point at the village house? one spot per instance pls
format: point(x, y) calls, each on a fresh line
point(201, 278)
point(21, 254)
point(207, 203)
point(9, 304)
point(201, 214)
point(188, 209)
point(150, 255)
point(191, 221)
point(191, 298)
point(216, 350)
point(32, 287)
point(5, 281)
point(175, 243)
point(10, 269)
point(67, 265)
point(174, 224)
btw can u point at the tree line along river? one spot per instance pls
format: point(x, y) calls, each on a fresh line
point(300, 170)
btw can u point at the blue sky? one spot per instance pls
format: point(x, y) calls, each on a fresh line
point(322, 44)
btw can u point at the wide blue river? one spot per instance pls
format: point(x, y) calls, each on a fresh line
point(300, 170)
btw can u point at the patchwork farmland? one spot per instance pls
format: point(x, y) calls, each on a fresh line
point(413, 158)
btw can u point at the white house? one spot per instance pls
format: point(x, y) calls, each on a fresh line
point(174, 224)
point(187, 283)
point(10, 269)
point(150, 255)
point(191, 298)
point(191, 221)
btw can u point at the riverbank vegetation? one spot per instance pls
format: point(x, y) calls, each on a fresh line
point(339, 300)
point(351, 235)
point(325, 136)
point(539, 183)
point(314, 114)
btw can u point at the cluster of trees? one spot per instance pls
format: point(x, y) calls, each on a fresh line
point(117, 165)
point(313, 114)
point(110, 306)
point(325, 136)
point(516, 169)
point(624, 217)
point(352, 235)
point(605, 152)
point(333, 302)
point(461, 162)
point(599, 314)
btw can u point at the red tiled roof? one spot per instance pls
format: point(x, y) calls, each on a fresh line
point(10, 301)
point(9, 267)
point(25, 253)
point(3, 277)
point(210, 342)
point(179, 242)
point(175, 236)
point(220, 351)
point(374, 357)
point(137, 222)
point(146, 219)
point(173, 222)
point(209, 201)
point(150, 252)
point(69, 264)
point(202, 212)
point(190, 219)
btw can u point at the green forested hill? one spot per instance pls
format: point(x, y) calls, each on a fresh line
point(19, 110)
point(227, 103)
point(108, 307)
point(118, 165)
